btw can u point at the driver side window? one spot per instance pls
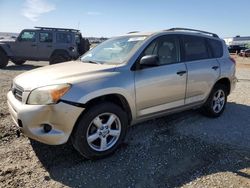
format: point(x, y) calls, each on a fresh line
point(28, 36)
point(166, 48)
point(151, 49)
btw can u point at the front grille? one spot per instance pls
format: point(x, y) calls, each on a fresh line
point(17, 92)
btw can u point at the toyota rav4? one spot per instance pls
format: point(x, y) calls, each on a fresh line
point(124, 80)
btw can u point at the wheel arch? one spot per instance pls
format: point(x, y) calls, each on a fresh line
point(5, 50)
point(226, 82)
point(115, 98)
point(59, 51)
point(4, 59)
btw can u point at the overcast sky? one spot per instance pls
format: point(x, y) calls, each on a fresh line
point(114, 17)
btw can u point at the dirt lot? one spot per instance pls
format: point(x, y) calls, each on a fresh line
point(181, 150)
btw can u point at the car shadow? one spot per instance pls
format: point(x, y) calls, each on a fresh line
point(165, 152)
point(24, 67)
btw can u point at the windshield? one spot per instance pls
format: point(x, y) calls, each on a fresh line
point(113, 51)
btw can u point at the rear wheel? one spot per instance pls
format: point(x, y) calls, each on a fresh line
point(100, 131)
point(3, 59)
point(216, 102)
point(59, 58)
point(18, 62)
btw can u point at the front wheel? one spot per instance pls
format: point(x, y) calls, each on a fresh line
point(100, 130)
point(59, 58)
point(216, 101)
point(3, 59)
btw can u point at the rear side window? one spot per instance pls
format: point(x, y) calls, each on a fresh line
point(195, 48)
point(77, 39)
point(216, 47)
point(63, 38)
point(45, 37)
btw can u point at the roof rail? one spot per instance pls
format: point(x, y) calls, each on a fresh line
point(57, 29)
point(195, 30)
point(133, 32)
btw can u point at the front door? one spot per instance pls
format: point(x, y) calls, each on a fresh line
point(161, 87)
point(25, 46)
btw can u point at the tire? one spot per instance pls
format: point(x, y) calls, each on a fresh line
point(3, 59)
point(94, 148)
point(20, 62)
point(216, 102)
point(59, 58)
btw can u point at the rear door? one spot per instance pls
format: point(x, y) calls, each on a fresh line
point(203, 69)
point(63, 40)
point(46, 44)
point(161, 87)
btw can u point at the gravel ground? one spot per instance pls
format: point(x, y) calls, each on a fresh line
point(181, 150)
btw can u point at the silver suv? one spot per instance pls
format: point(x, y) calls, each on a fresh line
point(120, 82)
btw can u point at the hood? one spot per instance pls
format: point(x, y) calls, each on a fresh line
point(7, 40)
point(69, 72)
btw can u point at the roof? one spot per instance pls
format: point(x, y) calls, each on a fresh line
point(57, 29)
point(174, 30)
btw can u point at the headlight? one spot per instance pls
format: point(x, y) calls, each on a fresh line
point(48, 94)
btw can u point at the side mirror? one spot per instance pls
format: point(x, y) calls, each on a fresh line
point(149, 61)
point(18, 39)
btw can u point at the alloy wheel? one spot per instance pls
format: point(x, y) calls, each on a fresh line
point(218, 101)
point(103, 132)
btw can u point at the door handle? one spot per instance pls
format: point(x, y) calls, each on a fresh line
point(215, 67)
point(49, 46)
point(33, 44)
point(181, 73)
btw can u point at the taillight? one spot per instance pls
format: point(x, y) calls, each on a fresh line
point(233, 60)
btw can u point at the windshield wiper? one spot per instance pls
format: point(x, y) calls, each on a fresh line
point(93, 62)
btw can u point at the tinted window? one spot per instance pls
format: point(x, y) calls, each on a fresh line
point(45, 37)
point(77, 39)
point(28, 36)
point(195, 48)
point(166, 48)
point(216, 47)
point(63, 38)
point(151, 49)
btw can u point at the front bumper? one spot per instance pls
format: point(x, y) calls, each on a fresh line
point(31, 120)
